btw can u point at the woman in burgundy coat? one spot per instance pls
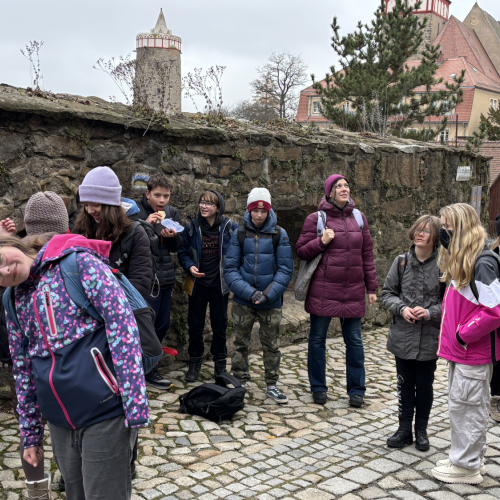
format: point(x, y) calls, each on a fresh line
point(337, 288)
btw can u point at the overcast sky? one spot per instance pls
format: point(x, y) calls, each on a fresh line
point(238, 34)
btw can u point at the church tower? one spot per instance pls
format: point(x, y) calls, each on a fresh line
point(158, 69)
point(436, 11)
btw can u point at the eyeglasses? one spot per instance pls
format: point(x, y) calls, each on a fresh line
point(206, 204)
point(424, 231)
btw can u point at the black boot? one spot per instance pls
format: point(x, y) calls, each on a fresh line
point(194, 370)
point(402, 438)
point(421, 440)
point(219, 367)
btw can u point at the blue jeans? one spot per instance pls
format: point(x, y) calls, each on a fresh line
point(355, 355)
point(161, 306)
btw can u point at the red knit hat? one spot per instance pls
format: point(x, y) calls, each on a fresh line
point(259, 198)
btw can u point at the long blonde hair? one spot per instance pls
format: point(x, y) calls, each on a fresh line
point(457, 263)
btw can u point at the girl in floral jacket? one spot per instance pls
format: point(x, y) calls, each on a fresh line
point(85, 376)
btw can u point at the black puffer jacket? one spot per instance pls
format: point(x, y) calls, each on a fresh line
point(138, 268)
point(165, 271)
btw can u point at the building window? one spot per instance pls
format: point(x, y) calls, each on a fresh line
point(316, 108)
point(494, 103)
point(444, 135)
point(346, 107)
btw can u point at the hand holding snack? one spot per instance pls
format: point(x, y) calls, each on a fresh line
point(155, 218)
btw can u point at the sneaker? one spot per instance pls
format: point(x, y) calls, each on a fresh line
point(447, 461)
point(274, 393)
point(319, 397)
point(154, 379)
point(402, 438)
point(356, 400)
point(453, 474)
point(495, 408)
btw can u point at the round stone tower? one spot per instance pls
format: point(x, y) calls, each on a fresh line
point(157, 83)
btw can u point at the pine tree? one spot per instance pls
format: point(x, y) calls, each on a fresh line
point(492, 124)
point(378, 84)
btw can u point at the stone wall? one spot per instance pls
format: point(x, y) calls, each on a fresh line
point(50, 144)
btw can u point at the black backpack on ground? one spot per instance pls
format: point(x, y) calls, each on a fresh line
point(215, 402)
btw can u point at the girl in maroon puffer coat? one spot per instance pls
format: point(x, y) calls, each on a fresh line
point(337, 288)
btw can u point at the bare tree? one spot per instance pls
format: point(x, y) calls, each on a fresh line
point(208, 86)
point(254, 111)
point(32, 53)
point(279, 81)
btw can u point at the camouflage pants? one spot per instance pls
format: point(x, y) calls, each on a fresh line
point(269, 319)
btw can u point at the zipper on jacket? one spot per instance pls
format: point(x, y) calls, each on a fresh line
point(459, 340)
point(53, 331)
point(221, 245)
point(104, 371)
point(256, 259)
point(442, 319)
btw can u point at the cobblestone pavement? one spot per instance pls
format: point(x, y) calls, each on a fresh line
point(299, 451)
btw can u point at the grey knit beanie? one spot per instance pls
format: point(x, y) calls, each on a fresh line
point(101, 185)
point(46, 213)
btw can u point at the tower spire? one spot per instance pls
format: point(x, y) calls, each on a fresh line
point(161, 25)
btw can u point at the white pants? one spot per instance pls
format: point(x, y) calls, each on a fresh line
point(468, 402)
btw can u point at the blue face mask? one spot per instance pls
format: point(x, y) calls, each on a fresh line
point(445, 237)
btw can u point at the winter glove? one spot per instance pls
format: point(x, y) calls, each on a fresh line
point(259, 297)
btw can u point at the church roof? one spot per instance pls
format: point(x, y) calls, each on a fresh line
point(458, 40)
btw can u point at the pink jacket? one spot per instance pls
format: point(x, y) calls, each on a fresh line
point(467, 323)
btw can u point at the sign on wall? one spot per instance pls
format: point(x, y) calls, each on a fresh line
point(463, 173)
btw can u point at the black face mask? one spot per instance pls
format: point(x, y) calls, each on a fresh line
point(445, 237)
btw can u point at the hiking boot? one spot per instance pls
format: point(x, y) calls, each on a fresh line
point(219, 367)
point(495, 408)
point(194, 370)
point(154, 379)
point(453, 474)
point(447, 461)
point(319, 397)
point(402, 438)
point(274, 393)
point(356, 400)
point(39, 489)
point(421, 440)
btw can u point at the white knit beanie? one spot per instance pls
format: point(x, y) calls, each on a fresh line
point(259, 198)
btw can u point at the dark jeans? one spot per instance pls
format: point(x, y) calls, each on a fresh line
point(95, 461)
point(355, 355)
point(415, 379)
point(495, 380)
point(201, 297)
point(161, 306)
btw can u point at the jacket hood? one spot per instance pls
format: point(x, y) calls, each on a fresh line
point(130, 207)
point(145, 204)
point(330, 182)
point(326, 206)
point(62, 244)
point(432, 256)
point(268, 227)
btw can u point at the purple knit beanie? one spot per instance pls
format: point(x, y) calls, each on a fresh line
point(330, 182)
point(101, 185)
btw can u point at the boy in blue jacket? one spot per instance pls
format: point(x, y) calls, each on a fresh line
point(258, 269)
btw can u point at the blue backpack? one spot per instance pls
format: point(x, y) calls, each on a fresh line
point(144, 315)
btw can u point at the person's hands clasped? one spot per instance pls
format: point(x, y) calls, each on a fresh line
point(420, 312)
point(195, 272)
point(328, 235)
point(409, 315)
point(33, 455)
point(7, 227)
point(259, 298)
